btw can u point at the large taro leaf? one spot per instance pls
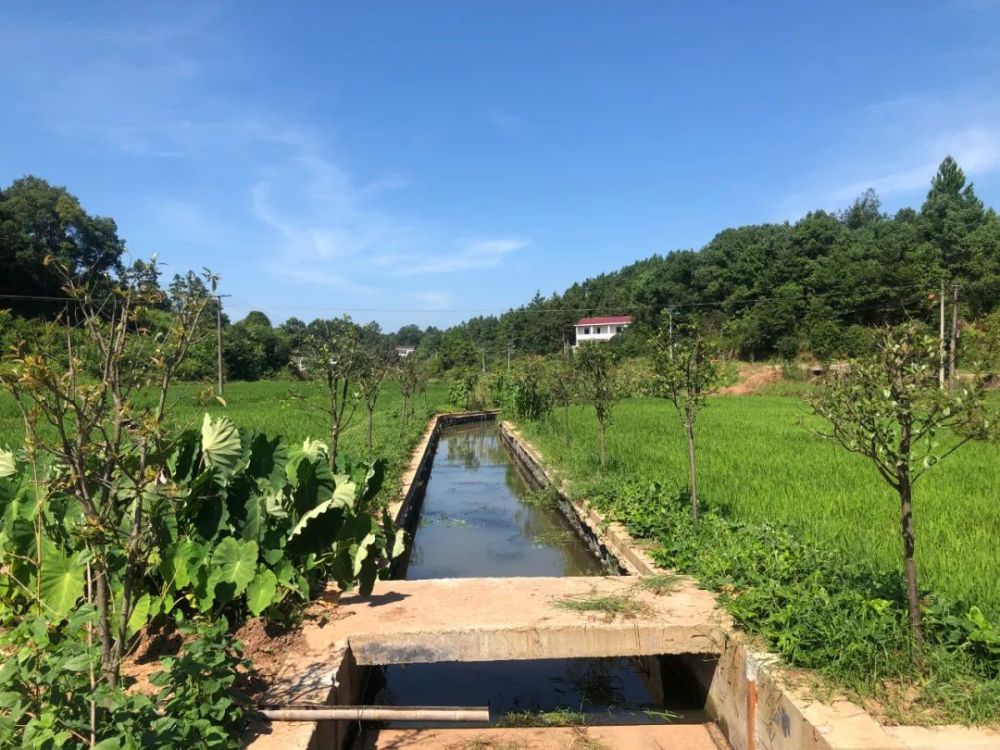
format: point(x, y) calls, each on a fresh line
point(268, 459)
point(312, 483)
point(210, 517)
point(234, 564)
point(246, 511)
point(374, 480)
point(220, 444)
point(61, 580)
point(8, 467)
point(317, 529)
point(182, 461)
point(261, 591)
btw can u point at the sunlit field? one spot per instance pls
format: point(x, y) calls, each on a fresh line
point(276, 407)
point(760, 459)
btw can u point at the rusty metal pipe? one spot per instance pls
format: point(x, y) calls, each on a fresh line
point(380, 713)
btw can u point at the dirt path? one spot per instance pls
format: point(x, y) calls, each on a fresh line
point(753, 377)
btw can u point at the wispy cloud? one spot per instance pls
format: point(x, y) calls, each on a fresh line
point(906, 139)
point(469, 255)
point(266, 193)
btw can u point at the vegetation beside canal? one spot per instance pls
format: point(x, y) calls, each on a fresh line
point(800, 541)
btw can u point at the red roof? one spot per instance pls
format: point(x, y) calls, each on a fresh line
point(611, 320)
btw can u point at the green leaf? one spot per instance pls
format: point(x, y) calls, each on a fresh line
point(61, 581)
point(8, 467)
point(316, 530)
point(245, 506)
point(261, 591)
point(140, 615)
point(374, 480)
point(220, 444)
point(399, 543)
point(234, 562)
point(268, 459)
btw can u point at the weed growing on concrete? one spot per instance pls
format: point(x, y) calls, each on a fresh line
point(659, 584)
point(583, 741)
point(561, 717)
point(485, 743)
point(625, 606)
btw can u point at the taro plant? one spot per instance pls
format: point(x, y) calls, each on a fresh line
point(255, 524)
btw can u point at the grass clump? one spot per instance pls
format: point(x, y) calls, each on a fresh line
point(625, 606)
point(583, 741)
point(486, 743)
point(660, 584)
point(560, 717)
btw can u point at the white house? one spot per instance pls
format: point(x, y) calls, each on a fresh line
point(405, 351)
point(601, 329)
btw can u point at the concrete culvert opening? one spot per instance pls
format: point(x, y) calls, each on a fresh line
point(576, 694)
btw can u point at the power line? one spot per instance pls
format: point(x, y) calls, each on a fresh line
point(592, 309)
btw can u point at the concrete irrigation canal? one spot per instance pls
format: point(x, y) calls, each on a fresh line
point(527, 605)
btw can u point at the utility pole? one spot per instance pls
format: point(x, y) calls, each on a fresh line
point(941, 336)
point(510, 345)
point(953, 344)
point(482, 349)
point(218, 341)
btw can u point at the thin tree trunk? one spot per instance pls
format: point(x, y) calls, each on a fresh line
point(909, 542)
point(108, 666)
point(910, 563)
point(566, 422)
point(692, 468)
point(371, 420)
point(601, 430)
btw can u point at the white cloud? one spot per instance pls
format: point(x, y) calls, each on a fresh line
point(470, 255)
point(905, 140)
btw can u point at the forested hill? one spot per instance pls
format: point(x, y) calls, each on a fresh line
point(781, 289)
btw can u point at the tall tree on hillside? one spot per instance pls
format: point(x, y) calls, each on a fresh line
point(600, 385)
point(890, 409)
point(686, 370)
point(950, 214)
point(38, 222)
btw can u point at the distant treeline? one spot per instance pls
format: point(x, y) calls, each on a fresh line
point(767, 290)
point(812, 288)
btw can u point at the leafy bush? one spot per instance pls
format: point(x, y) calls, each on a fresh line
point(48, 691)
point(522, 393)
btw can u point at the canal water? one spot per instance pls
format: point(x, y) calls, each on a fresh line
point(480, 519)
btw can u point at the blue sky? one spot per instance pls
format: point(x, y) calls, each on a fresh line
point(427, 161)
